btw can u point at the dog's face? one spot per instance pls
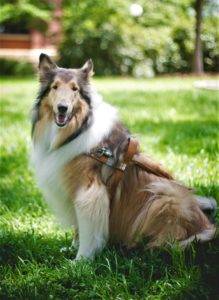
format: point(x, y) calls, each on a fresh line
point(64, 88)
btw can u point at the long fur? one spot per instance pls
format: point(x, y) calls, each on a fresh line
point(74, 185)
point(49, 163)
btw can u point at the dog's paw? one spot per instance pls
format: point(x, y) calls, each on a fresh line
point(82, 257)
point(75, 244)
point(66, 249)
point(79, 257)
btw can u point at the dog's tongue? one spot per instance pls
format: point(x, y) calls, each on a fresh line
point(61, 118)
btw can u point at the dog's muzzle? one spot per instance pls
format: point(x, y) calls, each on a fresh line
point(62, 117)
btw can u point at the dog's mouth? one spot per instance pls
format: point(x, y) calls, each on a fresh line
point(62, 119)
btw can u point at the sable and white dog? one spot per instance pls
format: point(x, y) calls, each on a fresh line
point(69, 121)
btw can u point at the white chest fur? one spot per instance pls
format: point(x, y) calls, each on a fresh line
point(49, 163)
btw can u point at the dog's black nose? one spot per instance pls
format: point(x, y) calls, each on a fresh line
point(62, 108)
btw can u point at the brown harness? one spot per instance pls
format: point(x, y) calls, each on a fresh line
point(131, 155)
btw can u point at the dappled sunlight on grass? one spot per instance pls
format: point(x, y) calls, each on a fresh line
point(158, 84)
point(177, 125)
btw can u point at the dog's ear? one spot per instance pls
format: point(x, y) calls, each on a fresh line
point(46, 65)
point(87, 69)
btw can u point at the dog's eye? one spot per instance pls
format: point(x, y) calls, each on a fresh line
point(74, 88)
point(55, 87)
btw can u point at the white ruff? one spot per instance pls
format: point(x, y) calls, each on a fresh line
point(49, 163)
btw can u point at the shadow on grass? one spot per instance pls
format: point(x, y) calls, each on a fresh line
point(16, 247)
point(132, 273)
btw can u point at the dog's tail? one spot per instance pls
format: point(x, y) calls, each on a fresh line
point(175, 214)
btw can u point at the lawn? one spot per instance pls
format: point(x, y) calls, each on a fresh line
point(176, 124)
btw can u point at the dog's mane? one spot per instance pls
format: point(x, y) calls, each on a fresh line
point(43, 91)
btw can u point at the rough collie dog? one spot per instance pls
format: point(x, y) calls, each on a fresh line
point(95, 178)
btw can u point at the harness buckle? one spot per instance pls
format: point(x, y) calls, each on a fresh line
point(104, 152)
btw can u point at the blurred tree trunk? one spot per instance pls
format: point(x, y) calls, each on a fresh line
point(198, 56)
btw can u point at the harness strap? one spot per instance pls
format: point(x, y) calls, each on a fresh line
point(131, 155)
point(145, 162)
point(131, 148)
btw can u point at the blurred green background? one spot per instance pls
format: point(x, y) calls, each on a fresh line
point(124, 37)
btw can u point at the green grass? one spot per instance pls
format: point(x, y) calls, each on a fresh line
point(177, 125)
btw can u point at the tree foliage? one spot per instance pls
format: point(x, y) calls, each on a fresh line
point(32, 13)
point(161, 40)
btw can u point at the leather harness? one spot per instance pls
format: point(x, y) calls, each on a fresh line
point(130, 155)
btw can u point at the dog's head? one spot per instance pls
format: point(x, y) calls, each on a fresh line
point(64, 89)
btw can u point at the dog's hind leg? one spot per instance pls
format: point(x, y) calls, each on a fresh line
point(92, 210)
point(204, 236)
point(175, 214)
point(206, 203)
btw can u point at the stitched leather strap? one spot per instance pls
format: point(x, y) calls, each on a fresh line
point(132, 148)
point(148, 165)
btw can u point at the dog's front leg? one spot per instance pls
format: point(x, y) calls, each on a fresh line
point(92, 210)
